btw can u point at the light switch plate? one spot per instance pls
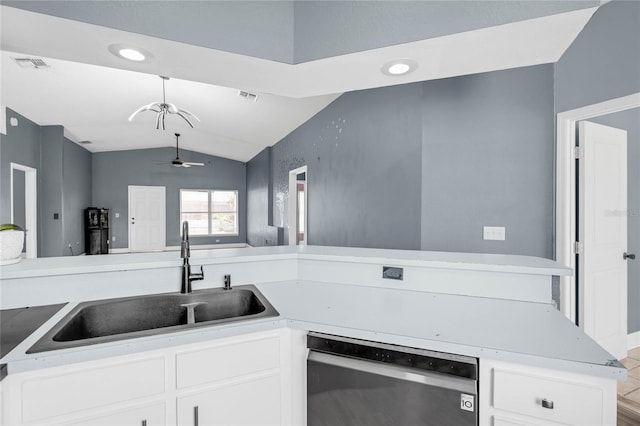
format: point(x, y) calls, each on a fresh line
point(495, 233)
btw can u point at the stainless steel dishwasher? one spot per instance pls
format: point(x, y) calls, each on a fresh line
point(357, 382)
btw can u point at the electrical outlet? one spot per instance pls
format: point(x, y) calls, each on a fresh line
point(494, 233)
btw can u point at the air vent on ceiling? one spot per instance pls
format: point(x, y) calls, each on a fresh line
point(247, 95)
point(31, 62)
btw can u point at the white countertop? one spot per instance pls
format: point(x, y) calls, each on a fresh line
point(135, 261)
point(522, 332)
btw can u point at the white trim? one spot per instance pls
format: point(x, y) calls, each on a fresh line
point(30, 208)
point(633, 340)
point(565, 188)
point(192, 246)
point(292, 205)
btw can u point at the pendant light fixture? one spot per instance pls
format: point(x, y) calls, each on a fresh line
point(163, 108)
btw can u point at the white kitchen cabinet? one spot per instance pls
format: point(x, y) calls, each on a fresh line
point(513, 394)
point(255, 401)
point(236, 380)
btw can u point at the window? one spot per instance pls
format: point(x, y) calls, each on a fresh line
point(209, 212)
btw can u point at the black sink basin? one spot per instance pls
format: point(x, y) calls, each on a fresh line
point(125, 318)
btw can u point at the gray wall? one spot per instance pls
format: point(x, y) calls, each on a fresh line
point(112, 172)
point(331, 28)
point(263, 29)
point(487, 160)
point(20, 145)
point(50, 187)
point(630, 121)
point(604, 61)
point(64, 182)
point(426, 165)
point(76, 181)
point(363, 158)
point(260, 229)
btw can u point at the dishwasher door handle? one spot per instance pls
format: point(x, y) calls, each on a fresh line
point(397, 372)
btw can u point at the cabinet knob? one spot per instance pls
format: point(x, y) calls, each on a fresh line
point(144, 423)
point(626, 256)
point(547, 404)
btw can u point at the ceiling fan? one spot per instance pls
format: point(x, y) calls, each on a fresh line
point(178, 162)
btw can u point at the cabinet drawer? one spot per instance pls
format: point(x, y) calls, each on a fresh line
point(149, 415)
point(227, 361)
point(573, 403)
point(72, 391)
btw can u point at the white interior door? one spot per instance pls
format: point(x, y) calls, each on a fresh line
point(147, 213)
point(602, 230)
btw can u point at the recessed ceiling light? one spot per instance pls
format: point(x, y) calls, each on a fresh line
point(130, 53)
point(399, 67)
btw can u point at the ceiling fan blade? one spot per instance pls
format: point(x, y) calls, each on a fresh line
point(193, 164)
point(185, 165)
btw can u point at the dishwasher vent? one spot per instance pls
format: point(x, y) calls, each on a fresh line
point(31, 63)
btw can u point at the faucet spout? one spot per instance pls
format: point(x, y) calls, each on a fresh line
point(185, 251)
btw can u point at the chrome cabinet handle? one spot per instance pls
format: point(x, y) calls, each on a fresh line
point(631, 256)
point(547, 404)
point(195, 416)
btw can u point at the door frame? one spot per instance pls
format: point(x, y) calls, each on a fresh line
point(565, 198)
point(293, 199)
point(30, 206)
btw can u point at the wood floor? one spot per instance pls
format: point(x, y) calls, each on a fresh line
point(629, 391)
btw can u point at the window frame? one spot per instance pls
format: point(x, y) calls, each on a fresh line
point(210, 212)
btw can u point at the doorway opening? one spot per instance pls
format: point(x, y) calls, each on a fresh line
point(24, 205)
point(572, 225)
point(298, 212)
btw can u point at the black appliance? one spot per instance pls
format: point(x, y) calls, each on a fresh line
point(96, 230)
point(361, 383)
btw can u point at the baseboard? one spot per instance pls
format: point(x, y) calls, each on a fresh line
point(633, 340)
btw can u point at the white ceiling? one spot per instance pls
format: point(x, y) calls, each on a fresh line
point(92, 93)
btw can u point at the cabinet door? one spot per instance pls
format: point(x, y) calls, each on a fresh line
point(150, 415)
point(249, 403)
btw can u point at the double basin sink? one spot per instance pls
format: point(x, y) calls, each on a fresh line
point(124, 318)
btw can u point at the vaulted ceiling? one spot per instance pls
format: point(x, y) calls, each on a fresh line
point(296, 56)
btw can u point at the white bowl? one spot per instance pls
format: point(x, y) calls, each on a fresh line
point(11, 243)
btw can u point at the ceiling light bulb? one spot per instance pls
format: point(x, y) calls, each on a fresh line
point(131, 54)
point(399, 67)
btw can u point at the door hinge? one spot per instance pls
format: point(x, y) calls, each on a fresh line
point(578, 152)
point(578, 247)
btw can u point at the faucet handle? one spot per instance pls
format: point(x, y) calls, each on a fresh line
point(198, 275)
